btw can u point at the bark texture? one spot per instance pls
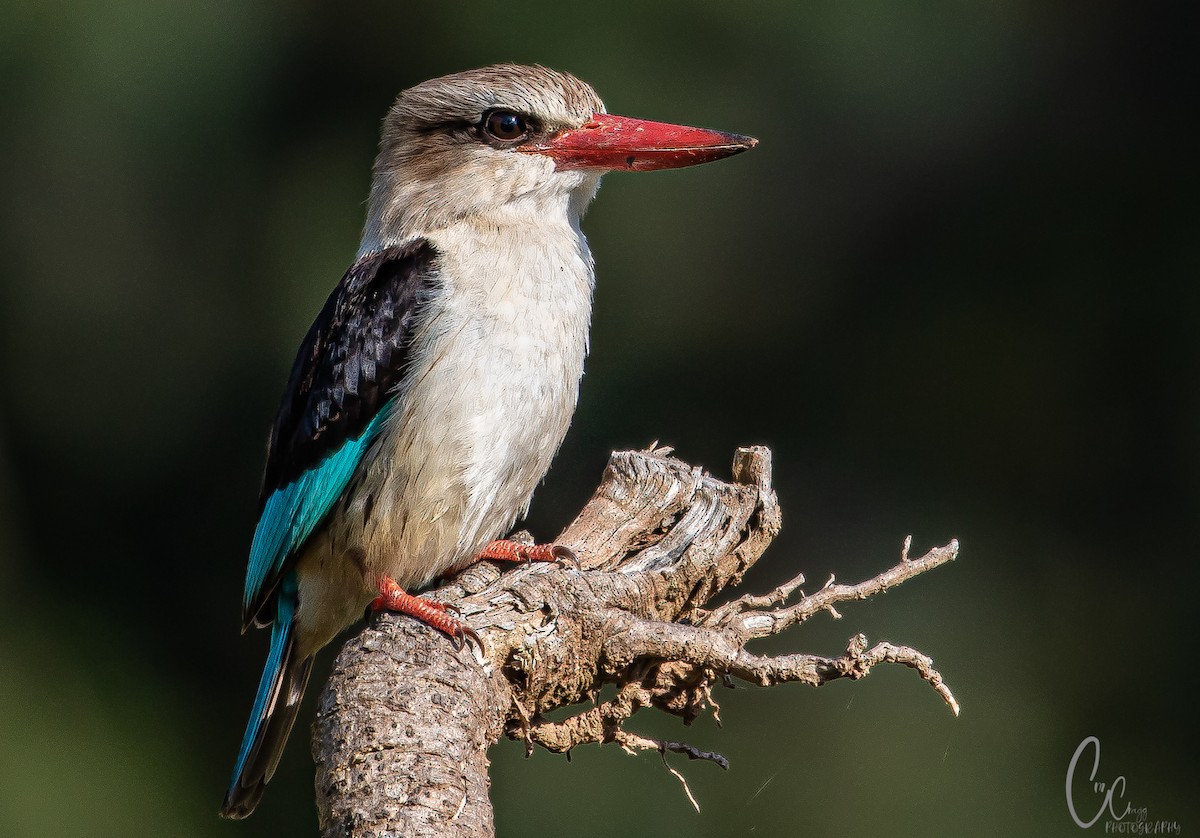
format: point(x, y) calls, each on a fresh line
point(405, 721)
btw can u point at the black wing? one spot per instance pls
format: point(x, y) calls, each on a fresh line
point(351, 361)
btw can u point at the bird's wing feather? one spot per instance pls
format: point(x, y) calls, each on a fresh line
point(343, 385)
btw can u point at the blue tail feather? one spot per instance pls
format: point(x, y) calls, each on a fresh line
point(276, 703)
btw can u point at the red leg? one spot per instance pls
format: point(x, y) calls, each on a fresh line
point(394, 598)
point(513, 551)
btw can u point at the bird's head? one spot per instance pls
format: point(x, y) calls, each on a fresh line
point(513, 144)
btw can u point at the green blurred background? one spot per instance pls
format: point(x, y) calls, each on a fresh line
point(954, 289)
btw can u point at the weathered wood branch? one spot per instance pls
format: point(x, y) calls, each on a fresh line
point(404, 724)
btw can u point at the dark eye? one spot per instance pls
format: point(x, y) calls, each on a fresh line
point(505, 126)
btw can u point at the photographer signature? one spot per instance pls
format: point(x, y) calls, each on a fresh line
point(1113, 796)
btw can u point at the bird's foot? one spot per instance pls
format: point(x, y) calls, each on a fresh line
point(394, 598)
point(507, 550)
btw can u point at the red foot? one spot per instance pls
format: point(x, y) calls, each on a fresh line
point(513, 551)
point(394, 598)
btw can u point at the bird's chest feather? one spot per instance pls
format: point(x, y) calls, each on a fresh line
point(502, 351)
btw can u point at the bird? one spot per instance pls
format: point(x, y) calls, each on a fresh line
point(436, 384)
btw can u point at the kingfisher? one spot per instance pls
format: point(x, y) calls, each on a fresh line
point(433, 389)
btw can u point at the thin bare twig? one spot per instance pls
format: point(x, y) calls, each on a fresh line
point(754, 617)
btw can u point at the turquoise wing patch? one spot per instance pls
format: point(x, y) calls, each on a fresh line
point(294, 511)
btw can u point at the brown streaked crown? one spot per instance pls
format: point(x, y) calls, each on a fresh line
point(451, 105)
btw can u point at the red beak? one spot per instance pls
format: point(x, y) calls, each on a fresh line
point(608, 142)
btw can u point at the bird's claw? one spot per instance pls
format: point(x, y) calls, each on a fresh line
point(563, 553)
point(463, 635)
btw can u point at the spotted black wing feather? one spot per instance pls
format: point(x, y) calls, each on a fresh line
point(351, 361)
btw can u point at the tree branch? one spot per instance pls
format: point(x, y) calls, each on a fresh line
point(404, 724)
